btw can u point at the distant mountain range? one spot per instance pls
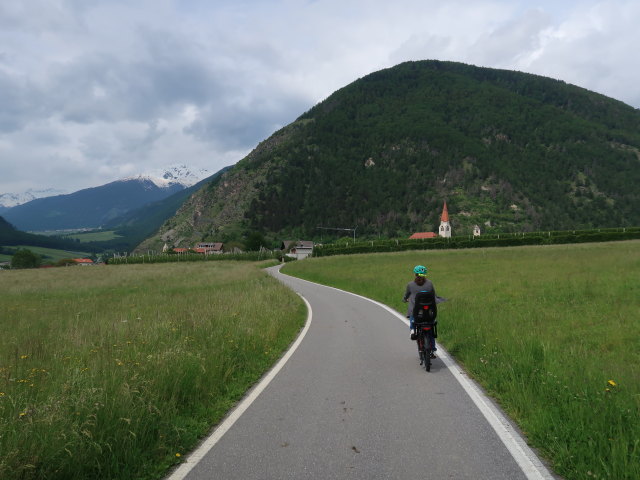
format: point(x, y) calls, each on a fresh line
point(8, 200)
point(508, 151)
point(98, 206)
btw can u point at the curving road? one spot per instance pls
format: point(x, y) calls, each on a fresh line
point(352, 402)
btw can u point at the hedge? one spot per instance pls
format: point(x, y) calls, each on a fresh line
point(496, 240)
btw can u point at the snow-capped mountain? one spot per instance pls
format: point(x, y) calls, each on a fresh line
point(90, 207)
point(96, 206)
point(9, 200)
point(172, 175)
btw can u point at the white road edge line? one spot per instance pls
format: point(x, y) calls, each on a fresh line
point(526, 459)
point(192, 460)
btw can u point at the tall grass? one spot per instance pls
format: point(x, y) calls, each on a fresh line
point(114, 372)
point(552, 332)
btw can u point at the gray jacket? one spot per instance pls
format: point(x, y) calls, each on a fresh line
point(412, 289)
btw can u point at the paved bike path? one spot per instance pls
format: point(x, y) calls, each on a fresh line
point(353, 402)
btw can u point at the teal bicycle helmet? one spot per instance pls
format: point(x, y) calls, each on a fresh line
point(420, 270)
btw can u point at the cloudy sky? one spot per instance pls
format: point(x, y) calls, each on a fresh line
point(96, 90)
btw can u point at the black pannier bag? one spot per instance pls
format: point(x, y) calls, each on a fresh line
point(424, 307)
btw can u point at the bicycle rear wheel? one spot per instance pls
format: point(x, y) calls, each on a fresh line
point(420, 343)
point(427, 351)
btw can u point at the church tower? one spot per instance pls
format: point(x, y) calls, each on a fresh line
point(445, 227)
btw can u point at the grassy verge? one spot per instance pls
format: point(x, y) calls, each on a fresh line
point(552, 332)
point(115, 372)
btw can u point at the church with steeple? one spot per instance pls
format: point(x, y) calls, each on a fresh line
point(445, 226)
point(444, 230)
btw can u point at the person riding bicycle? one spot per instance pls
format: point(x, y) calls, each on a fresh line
point(419, 284)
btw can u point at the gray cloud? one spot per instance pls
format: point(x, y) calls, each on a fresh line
point(507, 43)
point(92, 90)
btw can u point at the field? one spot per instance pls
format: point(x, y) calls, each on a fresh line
point(552, 332)
point(100, 236)
point(51, 254)
point(115, 372)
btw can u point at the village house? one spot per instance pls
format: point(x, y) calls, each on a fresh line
point(83, 261)
point(209, 248)
point(214, 248)
point(297, 249)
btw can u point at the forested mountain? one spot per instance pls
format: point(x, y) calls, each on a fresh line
point(507, 150)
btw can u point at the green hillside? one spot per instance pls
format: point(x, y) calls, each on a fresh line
point(509, 151)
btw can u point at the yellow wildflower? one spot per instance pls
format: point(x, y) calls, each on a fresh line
point(612, 383)
point(178, 455)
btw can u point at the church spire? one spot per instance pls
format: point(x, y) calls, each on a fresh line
point(445, 213)
point(445, 227)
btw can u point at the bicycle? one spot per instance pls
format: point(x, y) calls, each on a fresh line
point(424, 339)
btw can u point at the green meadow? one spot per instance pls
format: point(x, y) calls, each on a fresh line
point(52, 254)
point(116, 371)
point(97, 236)
point(551, 332)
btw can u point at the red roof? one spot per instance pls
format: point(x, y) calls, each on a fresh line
point(206, 250)
point(83, 260)
point(445, 213)
point(180, 250)
point(419, 235)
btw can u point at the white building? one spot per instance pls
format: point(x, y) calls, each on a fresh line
point(301, 249)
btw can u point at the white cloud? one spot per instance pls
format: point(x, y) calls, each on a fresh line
point(91, 90)
point(594, 48)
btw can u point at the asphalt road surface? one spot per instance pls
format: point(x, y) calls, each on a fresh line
point(352, 402)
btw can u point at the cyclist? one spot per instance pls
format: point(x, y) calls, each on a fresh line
point(419, 283)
